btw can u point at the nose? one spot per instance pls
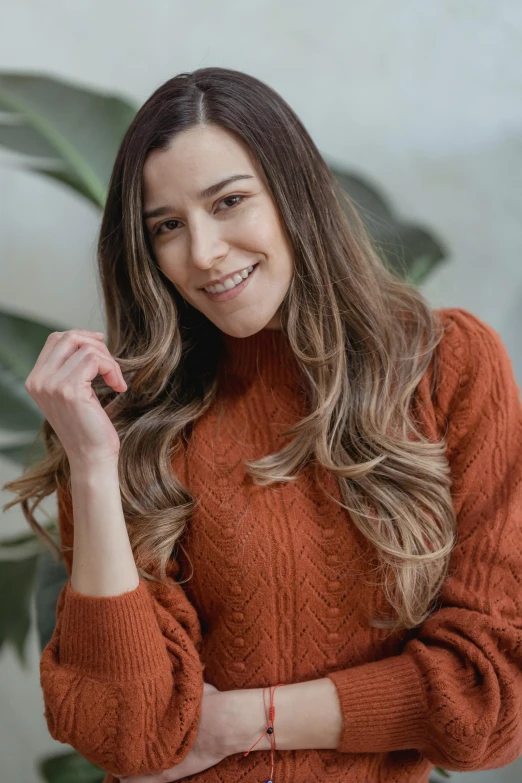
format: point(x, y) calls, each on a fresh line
point(207, 246)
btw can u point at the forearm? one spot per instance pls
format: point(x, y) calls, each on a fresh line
point(307, 716)
point(103, 563)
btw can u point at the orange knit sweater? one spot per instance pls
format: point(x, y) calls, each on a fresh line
point(278, 594)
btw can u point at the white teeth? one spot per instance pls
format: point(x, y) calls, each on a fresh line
point(230, 282)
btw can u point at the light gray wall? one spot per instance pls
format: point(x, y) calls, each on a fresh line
point(424, 98)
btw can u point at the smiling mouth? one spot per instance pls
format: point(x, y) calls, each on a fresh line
point(231, 293)
point(231, 277)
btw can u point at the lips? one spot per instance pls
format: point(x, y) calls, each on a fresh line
point(225, 277)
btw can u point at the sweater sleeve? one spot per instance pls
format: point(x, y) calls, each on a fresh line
point(121, 676)
point(455, 691)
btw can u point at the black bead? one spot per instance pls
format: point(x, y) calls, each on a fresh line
point(270, 731)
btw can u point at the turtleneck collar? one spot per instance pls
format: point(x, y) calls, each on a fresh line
point(266, 354)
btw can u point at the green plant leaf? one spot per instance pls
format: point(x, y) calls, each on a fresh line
point(409, 251)
point(69, 178)
point(443, 772)
point(20, 548)
point(51, 577)
point(370, 203)
point(25, 451)
point(69, 768)
point(17, 581)
point(21, 340)
point(24, 139)
point(77, 129)
point(18, 411)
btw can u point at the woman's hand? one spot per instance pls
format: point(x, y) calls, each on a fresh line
point(211, 744)
point(60, 384)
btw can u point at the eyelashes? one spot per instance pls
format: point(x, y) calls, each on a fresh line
point(157, 230)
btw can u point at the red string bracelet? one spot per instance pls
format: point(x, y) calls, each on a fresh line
point(270, 717)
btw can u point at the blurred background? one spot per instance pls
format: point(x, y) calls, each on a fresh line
point(415, 105)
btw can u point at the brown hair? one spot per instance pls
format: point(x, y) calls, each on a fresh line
point(363, 339)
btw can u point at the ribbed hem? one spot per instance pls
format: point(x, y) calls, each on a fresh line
point(112, 637)
point(383, 706)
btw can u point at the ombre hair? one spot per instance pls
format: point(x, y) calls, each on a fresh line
point(363, 338)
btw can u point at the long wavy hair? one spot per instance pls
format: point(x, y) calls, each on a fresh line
point(363, 338)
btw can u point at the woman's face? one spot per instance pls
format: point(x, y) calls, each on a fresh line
point(198, 238)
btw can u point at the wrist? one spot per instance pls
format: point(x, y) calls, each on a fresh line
point(83, 470)
point(246, 721)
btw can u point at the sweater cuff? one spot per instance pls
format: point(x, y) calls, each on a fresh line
point(112, 637)
point(383, 706)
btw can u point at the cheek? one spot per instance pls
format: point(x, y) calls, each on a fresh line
point(169, 265)
point(264, 235)
point(172, 272)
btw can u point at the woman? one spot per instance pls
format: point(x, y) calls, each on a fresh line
point(273, 418)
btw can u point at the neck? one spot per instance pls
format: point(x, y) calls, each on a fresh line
point(266, 354)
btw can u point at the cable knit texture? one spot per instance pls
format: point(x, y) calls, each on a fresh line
point(278, 593)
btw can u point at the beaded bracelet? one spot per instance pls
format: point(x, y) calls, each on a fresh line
point(270, 716)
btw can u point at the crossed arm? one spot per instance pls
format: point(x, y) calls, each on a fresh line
point(307, 715)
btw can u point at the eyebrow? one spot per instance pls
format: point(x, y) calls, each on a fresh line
point(207, 193)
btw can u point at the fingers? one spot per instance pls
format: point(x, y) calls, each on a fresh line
point(55, 337)
point(81, 368)
point(58, 350)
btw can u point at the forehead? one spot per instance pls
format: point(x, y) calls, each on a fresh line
point(195, 159)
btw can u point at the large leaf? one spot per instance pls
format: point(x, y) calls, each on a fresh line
point(17, 579)
point(21, 340)
point(20, 547)
point(409, 250)
point(24, 450)
point(69, 768)
point(442, 772)
point(371, 204)
point(51, 577)
point(18, 411)
point(76, 129)
point(20, 558)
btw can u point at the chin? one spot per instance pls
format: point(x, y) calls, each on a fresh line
point(246, 331)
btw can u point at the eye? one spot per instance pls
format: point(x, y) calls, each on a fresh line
point(157, 230)
point(227, 198)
